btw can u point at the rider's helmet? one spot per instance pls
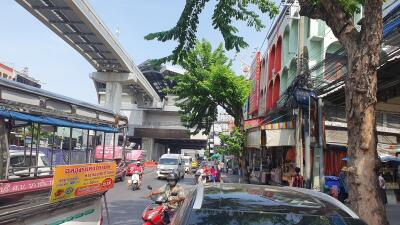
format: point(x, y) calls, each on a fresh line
point(172, 179)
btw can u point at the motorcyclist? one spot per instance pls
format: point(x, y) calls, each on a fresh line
point(138, 168)
point(172, 191)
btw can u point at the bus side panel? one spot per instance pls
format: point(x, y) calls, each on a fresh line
point(79, 214)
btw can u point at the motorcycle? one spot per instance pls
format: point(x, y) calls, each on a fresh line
point(134, 182)
point(156, 214)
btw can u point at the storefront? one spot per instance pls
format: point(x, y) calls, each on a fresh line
point(277, 157)
point(335, 158)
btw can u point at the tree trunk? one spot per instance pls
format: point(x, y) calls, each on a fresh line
point(363, 51)
point(361, 87)
point(243, 164)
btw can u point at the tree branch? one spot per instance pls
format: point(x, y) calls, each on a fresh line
point(335, 17)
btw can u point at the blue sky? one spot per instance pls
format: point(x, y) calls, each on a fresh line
point(26, 42)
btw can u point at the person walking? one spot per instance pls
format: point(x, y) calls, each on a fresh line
point(382, 187)
point(222, 166)
point(343, 188)
point(213, 173)
point(297, 179)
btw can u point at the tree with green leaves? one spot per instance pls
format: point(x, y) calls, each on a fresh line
point(208, 83)
point(233, 143)
point(363, 49)
point(226, 13)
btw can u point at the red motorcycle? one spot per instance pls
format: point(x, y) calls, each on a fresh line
point(155, 213)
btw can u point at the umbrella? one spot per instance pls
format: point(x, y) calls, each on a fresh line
point(216, 156)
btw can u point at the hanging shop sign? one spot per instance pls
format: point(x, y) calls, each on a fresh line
point(71, 181)
point(302, 96)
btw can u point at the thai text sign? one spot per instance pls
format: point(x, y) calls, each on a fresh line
point(18, 187)
point(71, 181)
point(109, 152)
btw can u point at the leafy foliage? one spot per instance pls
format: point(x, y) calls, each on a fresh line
point(350, 7)
point(226, 12)
point(233, 142)
point(208, 82)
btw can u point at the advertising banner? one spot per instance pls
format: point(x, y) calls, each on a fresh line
point(71, 181)
point(108, 152)
point(255, 77)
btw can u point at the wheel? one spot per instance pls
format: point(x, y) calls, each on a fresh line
point(123, 177)
point(183, 175)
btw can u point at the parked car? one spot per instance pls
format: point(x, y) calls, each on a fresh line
point(19, 161)
point(122, 169)
point(170, 163)
point(259, 204)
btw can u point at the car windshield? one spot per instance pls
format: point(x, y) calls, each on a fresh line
point(166, 161)
point(211, 217)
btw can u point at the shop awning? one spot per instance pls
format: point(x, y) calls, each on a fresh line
point(253, 139)
point(339, 137)
point(280, 137)
point(54, 121)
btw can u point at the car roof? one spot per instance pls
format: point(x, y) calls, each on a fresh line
point(265, 199)
point(170, 156)
point(20, 153)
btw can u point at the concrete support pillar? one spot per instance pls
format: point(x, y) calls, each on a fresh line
point(148, 147)
point(113, 96)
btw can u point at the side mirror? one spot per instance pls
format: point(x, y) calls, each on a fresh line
point(149, 187)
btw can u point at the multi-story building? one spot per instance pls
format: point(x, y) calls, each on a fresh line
point(304, 63)
point(9, 73)
point(154, 128)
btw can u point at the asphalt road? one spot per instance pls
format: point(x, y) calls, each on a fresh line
point(126, 206)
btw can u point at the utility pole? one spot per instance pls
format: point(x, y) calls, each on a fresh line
point(298, 111)
point(307, 146)
point(321, 145)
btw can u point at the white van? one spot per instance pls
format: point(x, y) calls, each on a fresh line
point(170, 163)
point(19, 161)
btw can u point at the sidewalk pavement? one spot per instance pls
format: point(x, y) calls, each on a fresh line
point(392, 211)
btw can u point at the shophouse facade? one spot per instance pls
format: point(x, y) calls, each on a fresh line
point(300, 119)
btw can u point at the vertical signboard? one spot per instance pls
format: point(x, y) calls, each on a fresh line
point(255, 77)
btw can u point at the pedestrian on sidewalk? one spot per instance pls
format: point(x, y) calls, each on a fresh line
point(297, 179)
point(213, 173)
point(343, 188)
point(221, 166)
point(382, 187)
